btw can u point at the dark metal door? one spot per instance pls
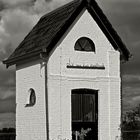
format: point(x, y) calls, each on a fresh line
point(84, 114)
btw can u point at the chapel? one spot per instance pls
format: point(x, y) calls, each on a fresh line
point(68, 78)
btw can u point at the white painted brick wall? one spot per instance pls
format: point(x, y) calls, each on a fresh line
point(62, 80)
point(115, 93)
point(30, 121)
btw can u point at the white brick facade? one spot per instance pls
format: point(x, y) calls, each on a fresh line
point(31, 121)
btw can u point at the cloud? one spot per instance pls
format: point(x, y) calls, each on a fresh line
point(130, 91)
point(7, 89)
point(16, 22)
point(130, 102)
point(17, 18)
point(7, 82)
point(7, 105)
point(124, 15)
point(125, 21)
point(15, 2)
point(12, 4)
point(7, 120)
point(129, 78)
point(6, 93)
point(45, 6)
point(133, 66)
point(125, 18)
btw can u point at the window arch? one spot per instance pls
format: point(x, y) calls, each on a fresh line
point(31, 100)
point(84, 44)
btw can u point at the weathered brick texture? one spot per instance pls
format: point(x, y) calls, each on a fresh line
point(30, 121)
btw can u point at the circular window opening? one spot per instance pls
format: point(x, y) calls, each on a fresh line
point(84, 44)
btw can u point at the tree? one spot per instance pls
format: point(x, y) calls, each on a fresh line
point(131, 124)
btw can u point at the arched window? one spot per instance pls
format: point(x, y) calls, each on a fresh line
point(84, 44)
point(31, 100)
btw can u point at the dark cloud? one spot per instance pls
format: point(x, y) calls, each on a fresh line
point(2, 6)
point(8, 49)
point(125, 18)
point(45, 6)
point(8, 4)
point(133, 80)
point(131, 91)
point(133, 66)
point(7, 105)
point(7, 120)
point(19, 16)
point(7, 83)
point(14, 26)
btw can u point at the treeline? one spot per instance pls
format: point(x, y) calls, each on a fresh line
point(8, 134)
point(131, 119)
point(8, 130)
point(131, 124)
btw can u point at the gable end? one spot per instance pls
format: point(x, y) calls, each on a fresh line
point(51, 27)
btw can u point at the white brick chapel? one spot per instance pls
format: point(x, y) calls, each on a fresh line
point(68, 82)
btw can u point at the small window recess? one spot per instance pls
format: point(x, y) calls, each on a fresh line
point(84, 44)
point(31, 99)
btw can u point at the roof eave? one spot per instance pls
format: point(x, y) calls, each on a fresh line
point(21, 59)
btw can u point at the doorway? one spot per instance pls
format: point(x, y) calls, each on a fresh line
point(84, 114)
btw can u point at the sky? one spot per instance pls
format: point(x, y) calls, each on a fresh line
point(17, 18)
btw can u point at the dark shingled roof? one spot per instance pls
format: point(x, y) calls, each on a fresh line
point(53, 25)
